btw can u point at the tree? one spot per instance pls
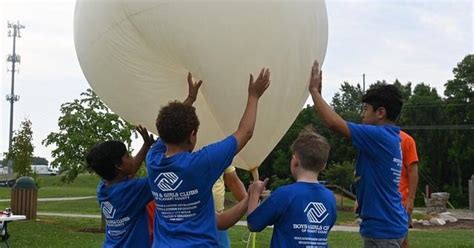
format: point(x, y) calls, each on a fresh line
point(84, 123)
point(39, 161)
point(459, 95)
point(21, 152)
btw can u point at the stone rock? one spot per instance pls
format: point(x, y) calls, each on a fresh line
point(426, 223)
point(447, 217)
point(437, 221)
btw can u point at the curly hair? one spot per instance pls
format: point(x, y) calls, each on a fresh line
point(103, 158)
point(312, 149)
point(387, 96)
point(176, 121)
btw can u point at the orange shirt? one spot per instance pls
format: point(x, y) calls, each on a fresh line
point(410, 157)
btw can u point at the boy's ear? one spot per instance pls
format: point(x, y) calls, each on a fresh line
point(381, 113)
point(295, 160)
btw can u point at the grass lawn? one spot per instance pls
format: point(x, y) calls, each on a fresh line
point(66, 232)
point(51, 186)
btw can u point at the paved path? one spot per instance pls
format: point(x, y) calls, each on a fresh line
point(240, 223)
point(58, 199)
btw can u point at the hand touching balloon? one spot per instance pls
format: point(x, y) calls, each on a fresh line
point(257, 88)
point(193, 88)
point(315, 82)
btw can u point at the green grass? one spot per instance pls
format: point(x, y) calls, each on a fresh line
point(55, 232)
point(428, 239)
point(86, 206)
point(51, 186)
point(68, 232)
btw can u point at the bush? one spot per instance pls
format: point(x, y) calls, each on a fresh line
point(341, 174)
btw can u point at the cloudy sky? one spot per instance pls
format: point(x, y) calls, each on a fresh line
point(416, 41)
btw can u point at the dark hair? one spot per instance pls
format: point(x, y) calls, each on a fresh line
point(312, 149)
point(387, 96)
point(175, 122)
point(103, 158)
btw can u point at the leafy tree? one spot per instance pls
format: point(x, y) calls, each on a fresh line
point(459, 99)
point(39, 160)
point(341, 174)
point(21, 152)
point(84, 123)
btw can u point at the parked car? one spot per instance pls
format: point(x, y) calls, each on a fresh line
point(43, 170)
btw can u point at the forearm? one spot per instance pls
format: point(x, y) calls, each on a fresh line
point(412, 181)
point(238, 191)
point(189, 100)
point(330, 118)
point(253, 203)
point(229, 217)
point(140, 157)
point(247, 122)
point(236, 186)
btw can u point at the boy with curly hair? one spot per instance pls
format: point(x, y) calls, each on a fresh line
point(181, 180)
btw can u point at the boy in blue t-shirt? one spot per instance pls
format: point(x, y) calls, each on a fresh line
point(379, 161)
point(181, 180)
point(122, 197)
point(304, 212)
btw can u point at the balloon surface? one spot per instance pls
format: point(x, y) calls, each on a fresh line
point(136, 56)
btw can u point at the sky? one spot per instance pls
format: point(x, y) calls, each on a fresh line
point(412, 41)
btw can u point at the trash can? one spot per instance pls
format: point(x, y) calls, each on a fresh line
point(24, 197)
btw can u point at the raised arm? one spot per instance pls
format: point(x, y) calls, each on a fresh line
point(193, 88)
point(330, 118)
point(247, 122)
point(147, 142)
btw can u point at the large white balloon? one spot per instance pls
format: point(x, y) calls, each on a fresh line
point(136, 55)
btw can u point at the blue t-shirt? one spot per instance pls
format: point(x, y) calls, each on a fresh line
point(124, 208)
point(182, 188)
point(378, 170)
point(302, 214)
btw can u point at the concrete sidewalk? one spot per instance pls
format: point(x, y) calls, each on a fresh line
point(240, 223)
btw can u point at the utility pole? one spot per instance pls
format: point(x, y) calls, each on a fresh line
point(363, 82)
point(13, 31)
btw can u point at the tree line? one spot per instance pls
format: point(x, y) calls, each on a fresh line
point(442, 126)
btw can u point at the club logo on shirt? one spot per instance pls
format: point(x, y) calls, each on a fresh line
point(107, 209)
point(168, 181)
point(316, 212)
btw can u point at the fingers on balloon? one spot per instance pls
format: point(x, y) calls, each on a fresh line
point(190, 77)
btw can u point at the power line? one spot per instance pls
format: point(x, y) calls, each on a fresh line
point(439, 127)
point(438, 104)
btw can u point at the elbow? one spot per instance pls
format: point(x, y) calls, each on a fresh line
point(251, 228)
point(249, 134)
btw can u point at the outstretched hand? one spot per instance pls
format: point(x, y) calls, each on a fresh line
point(193, 86)
point(147, 138)
point(257, 87)
point(315, 82)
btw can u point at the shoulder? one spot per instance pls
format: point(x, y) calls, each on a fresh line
point(229, 169)
point(406, 137)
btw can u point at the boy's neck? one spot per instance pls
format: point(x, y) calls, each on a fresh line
point(119, 178)
point(172, 149)
point(385, 122)
point(306, 176)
